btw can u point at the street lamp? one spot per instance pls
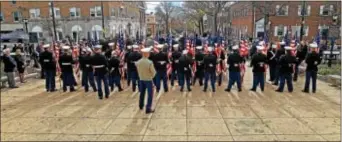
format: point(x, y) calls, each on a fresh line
point(25, 22)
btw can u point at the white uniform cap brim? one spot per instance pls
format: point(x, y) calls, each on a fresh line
point(235, 47)
point(146, 50)
point(98, 46)
point(46, 45)
point(129, 47)
point(210, 49)
point(288, 48)
point(199, 47)
point(89, 50)
point(274, 46)
point(111, 44)
point(261, 43)
point(66, 47)
point(260, 47)
point(160, 46)
point(313, 45)
point(185, 52)
point(282, 43)
point(176, 45)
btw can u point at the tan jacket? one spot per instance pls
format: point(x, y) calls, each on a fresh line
point(145, 69)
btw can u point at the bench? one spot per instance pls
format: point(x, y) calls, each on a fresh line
point(327, 56)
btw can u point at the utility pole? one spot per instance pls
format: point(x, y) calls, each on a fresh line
point(302, 23)
point(103, 25)
point(53, 21)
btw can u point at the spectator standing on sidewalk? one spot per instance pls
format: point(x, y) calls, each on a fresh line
point(9, 68)
point(20, 61)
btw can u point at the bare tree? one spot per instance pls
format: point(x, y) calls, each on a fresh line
point(165, 10)
point(213, 8)
point(47, 25)
point(194, 13)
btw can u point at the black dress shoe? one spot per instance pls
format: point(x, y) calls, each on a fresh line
point(305, 91)
point(204, 90)
point(141, 108)
point(120, 89)
point(181, 90)
point(100, 98)
point(239, 90)
point(278, 91)
point(166, 90)
point(254, 90)
point(227, 90)
point(53, 90)
point(14, 87)
point(189, 90)
point(276, 84)
point(107, 96)
point(149, 111)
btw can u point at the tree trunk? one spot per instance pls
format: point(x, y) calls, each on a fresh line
point(202, 24)
point(215, 23)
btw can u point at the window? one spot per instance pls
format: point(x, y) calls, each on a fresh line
point(14, 2)
point(304, 12)
point(323, 31)
point(95, 11)
point(1, 17)
point(16, 16)
point(57, 12)
point(75, 12)
point(282, 10)
point(326, 10)
point(297, 29)
point(34, 13)
point(112, 12)
point(279, 30)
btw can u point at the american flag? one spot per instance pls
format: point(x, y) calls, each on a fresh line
point(169, 43)
point(286, 38)
point(56, 55)
point(75, 54)
point(318, 38)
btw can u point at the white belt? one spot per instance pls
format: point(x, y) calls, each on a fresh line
point(210, 65)
point(87, 65)
point(236, 65)
point(162, 62)
point(176, 61)
point(46, 60)
point(66, 64)
point(99, 66)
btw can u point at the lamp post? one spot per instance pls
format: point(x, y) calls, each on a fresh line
point(25, 22)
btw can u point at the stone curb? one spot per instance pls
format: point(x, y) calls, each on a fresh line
point(332, 79)
point(4, 79)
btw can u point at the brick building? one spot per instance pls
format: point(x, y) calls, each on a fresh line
point(76, 19)
point(151, 24)
point(248, 21)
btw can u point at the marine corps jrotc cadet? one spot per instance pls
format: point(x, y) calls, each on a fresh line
point(199, 74)
point(114, 71)
point(258, 63)
point(234, 61)
point(221, 59)
point(174, 63)
point(132, 58)
point(87, 70)
point(286, 62)
point(128, 51)
point(66, 61)
point(184, 70)
point(280, 51)
point(272, 62)
point(109, 51)
point(146, 73)
point(210, 61)
point(100, 65)
point(161, 60)
point(312, 60)
point(49, 65)
point(300, 55)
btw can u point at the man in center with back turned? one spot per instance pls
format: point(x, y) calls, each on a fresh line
point(146, 74)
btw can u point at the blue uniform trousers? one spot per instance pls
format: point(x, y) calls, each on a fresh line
point(295, 75)
point(50, 82)
point(258, 78)
point(220, 79)
point(68, 80)
point(234, 77)
point(212, 76)
point(174, 74)
point(114, 81)
point(199, 74)
point(288, 78)
point(272, 72)
point(143, 86)
point(128, 77)
point(135, 79)
point(310, 75)
point(88, 78)
point(182, 78)
point(99, 79)
point(161, 75)
point(277, 75)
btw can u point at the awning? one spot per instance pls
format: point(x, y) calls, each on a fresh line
point(37, 29)
point(96, 28)
point(76, 28)
point(15, 35)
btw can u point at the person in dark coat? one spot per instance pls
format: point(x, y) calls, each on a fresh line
point(9, 67)
point(234, 62)
point(161, 60)
point(87, 71)
point(272, 62)
point(312, 60)
point(209, 65)
point(301, 54)
point(114, 71)
point(175, 63)
point(132, 58)
point(286, 62)
point(49, 66)
point(128, 51)
point(258, 63)
point(184, 70)
point(199, 61)
point(66, 61)
point(100, 66)
point(280, 51)
point(19, 58)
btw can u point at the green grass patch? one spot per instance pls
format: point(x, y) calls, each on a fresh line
point(335, 69)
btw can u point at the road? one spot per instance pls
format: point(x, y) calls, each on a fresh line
point(29, 113)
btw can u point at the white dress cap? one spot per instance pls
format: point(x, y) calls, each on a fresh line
point(111, 44)
point(235, 47)
point(145, 50)
point(260, 47)
point(66, 47)
point(199, 47)
point(46, 45)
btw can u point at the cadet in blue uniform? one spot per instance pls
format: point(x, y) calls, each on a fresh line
point(128, 51)
point(146, 73)
point(161, 60)
point(199, 74)
point(300, 55)
point(286, 62)
point(87, 71)
point(132, 58)
point(279, 53)
point(66, 63)
point(234, 61)
point(312, 60)
point(272, 62)
point(100, 64)
point(210, 62)
point(114, 71)
point(49, 66)
point(221, 59)
point(184, 70)
point(175, 62)
point(258, 63)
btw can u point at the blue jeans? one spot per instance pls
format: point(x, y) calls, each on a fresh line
point(310, 75)
point(88, 77)
point(181, 77)
point(114, 80)
point(234, 77)
point(212, 76)
point(258, 78)
point(143, 86)
point(174, 74)
point(135, 79)
point(288, 78)
point(99, 79)
point(50, 82)
point(161, 75)
point(68, 80)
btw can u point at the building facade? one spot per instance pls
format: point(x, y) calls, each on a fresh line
point(74, 19)
point(247, 18)
point(151, 24)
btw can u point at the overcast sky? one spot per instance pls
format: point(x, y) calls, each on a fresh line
point(152, 5)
